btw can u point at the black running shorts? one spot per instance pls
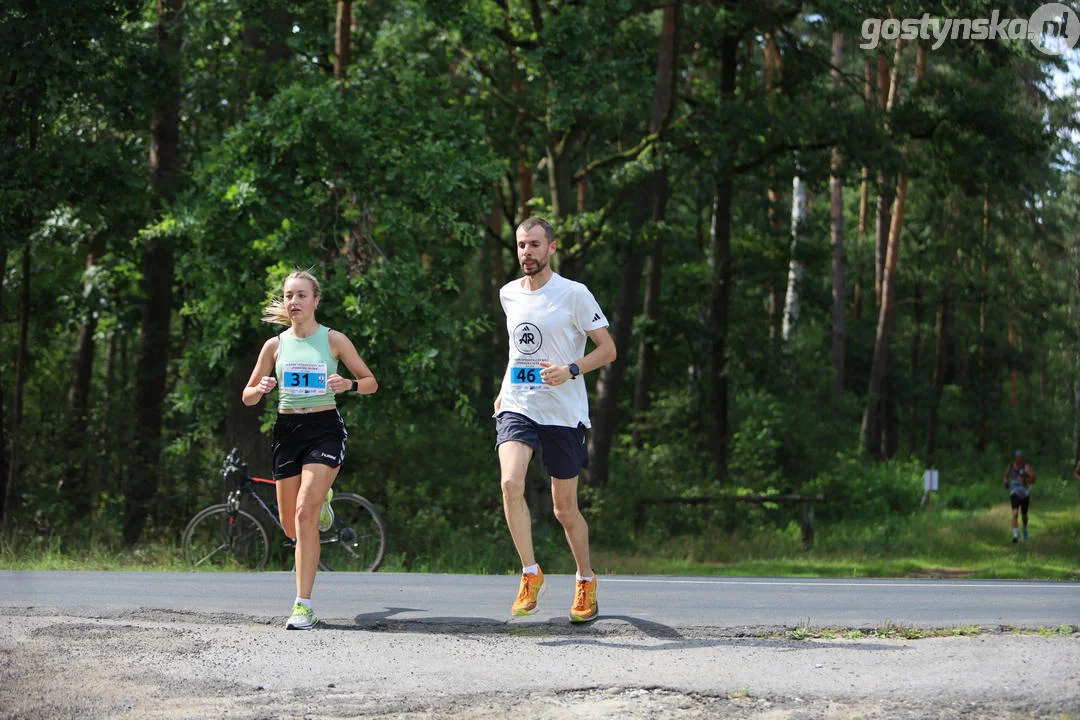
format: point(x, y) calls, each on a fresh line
point(1020, 502)
point(307, 438)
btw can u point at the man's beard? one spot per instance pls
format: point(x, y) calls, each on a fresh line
point(540, 265)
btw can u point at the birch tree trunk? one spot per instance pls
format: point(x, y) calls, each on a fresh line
point(795, 266)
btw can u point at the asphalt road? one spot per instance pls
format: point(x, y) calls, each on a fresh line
point(132, 646)
point(677, 602)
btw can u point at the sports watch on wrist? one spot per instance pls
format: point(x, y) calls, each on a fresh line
point(354, 385)
point(574, 371)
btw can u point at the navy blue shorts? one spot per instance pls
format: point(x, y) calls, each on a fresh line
point(307, 438)
point(564, 450)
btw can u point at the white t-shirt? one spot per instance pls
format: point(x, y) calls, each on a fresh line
point(549, 325)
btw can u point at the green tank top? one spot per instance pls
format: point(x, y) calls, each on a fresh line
point(303, 364)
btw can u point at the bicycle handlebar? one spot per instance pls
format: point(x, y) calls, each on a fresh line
point(233, 464)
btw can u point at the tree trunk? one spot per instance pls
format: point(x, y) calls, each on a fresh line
point(525, 183)
point(720, 278)
point(342, 39)
point(3, 393)
point(870, 430)
point(916, 351)
point(773, 68)
point(152, 364)
point(652, 198)
point(836, 191)
point(789, 328)
point(872, 423)
point(864, 198)
point(605, 412)
point(1014, 395)
point(21, 360)
point(984, 386)
point(1076, 387)
point(524, 162)
point(493, 358)
point(242, 422)
point(83, 364)
point(655, 199)
point(266, 33)
point(940, 359)
point(651, 315)
point(75, 483)
point(886, 88)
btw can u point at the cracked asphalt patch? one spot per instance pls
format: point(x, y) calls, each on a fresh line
point(179, 664)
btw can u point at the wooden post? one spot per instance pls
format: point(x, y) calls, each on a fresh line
point(806, 513)
point(930, 517)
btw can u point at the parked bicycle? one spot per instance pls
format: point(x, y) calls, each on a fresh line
point(227, 535)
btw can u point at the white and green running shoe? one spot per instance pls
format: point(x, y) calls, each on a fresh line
point(303, 618)
point(326, 516)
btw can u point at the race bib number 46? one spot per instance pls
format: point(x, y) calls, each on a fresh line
point(303, 379)
point(526, 377)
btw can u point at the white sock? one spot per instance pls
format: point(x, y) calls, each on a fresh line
point(581, 579)
point(1016, 533)
point(531, 570)
point(306, 602)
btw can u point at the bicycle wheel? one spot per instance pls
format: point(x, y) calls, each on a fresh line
point(217, 539)
point(356, 541)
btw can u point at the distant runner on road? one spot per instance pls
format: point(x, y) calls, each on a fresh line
point(1018, 477)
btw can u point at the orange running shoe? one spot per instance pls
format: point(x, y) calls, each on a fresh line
point(584, 608)
point(532, 587)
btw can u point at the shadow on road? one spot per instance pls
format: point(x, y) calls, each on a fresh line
point(599, 632)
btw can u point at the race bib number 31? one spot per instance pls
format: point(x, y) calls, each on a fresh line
point(303, 379)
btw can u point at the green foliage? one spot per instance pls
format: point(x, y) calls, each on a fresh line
point(871, 492)
point(399, 186)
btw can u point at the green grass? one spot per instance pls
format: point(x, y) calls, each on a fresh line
point(967, 544)
point(39, 553)
point(887, 630)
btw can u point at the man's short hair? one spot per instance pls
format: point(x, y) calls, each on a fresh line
point(529, 223)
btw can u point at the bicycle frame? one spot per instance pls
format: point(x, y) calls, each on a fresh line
point(357, 527)
point(247, 487)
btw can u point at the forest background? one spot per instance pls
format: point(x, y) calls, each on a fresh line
point(828, 266)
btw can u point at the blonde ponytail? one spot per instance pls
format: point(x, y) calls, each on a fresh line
point(276, 312)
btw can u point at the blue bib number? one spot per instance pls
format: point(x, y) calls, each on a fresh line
point(525, 376)
point(304, 379)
